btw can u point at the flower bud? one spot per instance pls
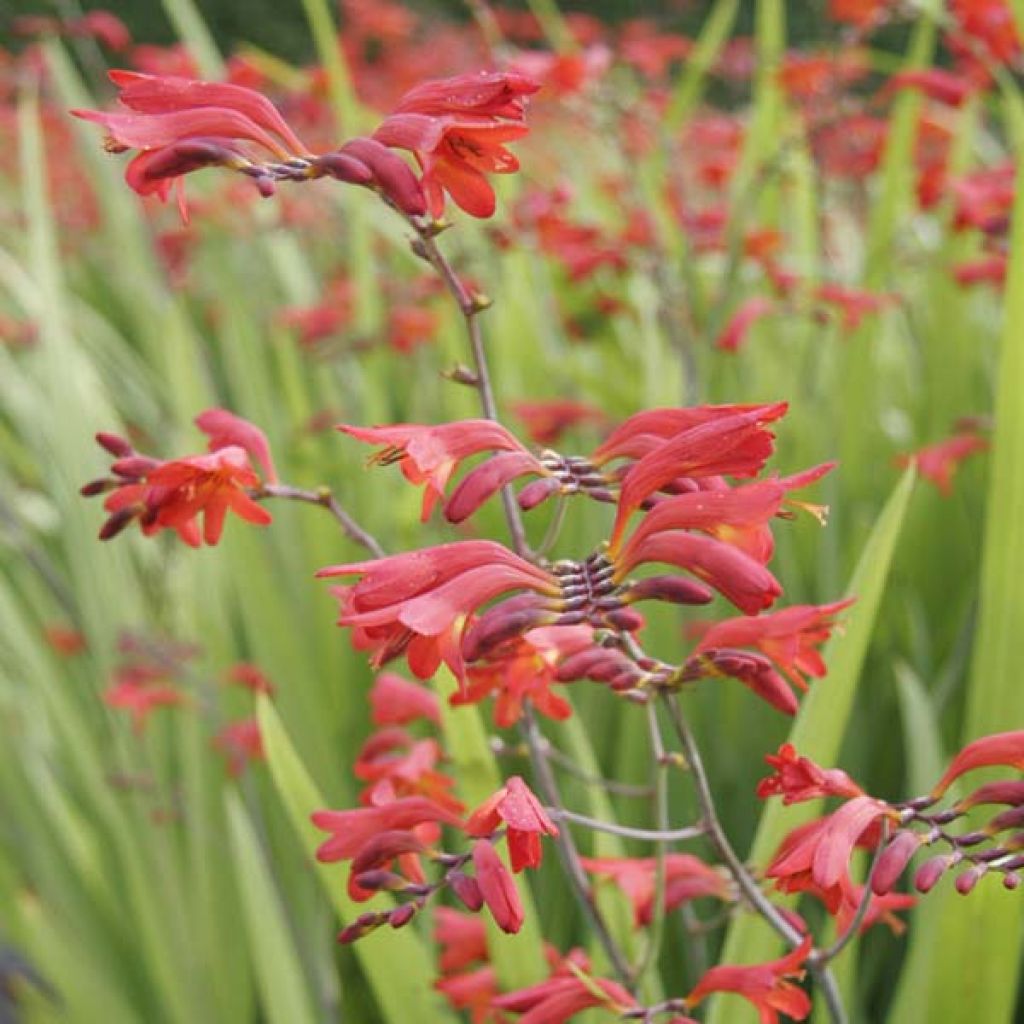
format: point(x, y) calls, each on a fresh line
point(893, 860)
point(401, 916)
point(362, 925)
point(344, 167)
point(497, 887)
point(968, 879)
point(930, 872)
point(467, 890)
point(674, 589)
point(115, 444)
point(383, 848)
point(537, 491)
point(391, 173)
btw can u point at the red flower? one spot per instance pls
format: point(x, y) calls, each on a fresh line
point(562, 996)
point(419, 602)
point(497, 887)
point(430, 455)
point(939, 462)
point(353, 829)
point(816, 856)
point(733, 444)
point(396, 765)
point(1003, 748)
point(65, 640)
point(789, 637)
point(686, 878)
point(797, 779)
point(526, 820)
point(769, 987)
point(240, 742)
point(462, 938)
point(225, 429)
point(141, 698)
point(548, 419)
point(251, 677)
point(396, 701)
point(523, 669)
point(936, 83)
point(456, 127)
point(734, 335)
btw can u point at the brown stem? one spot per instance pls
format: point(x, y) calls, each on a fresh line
point(471, 307)
point(323, 497)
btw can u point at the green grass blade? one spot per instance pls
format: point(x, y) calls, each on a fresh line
point(396, 990)
point(192, 30)
point(279, 976)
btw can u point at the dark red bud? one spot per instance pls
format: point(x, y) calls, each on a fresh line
point(537, 491)
point(115, 444)
point(118, 521)
point(345, 168)
point(95, 487)
point(893, 860)
point(675, 589)
point(135, 466)
point(626, 619)
point(1008, 819)
point(968, 879)
point(1011, 881)
point(501, 623)
point(383, 848)
point(467, 890)
point(401, 916)
point(185, 156)
point(1006, 792)
point(498, 888)
point(391, 173)
point(378, 879)
point(930, 872)
point(485, 480)
point(362, 925)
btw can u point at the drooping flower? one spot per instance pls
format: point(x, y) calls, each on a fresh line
point(939, 462)
point(240, 742)
point(397, 701)
point(429, 455)
point(790, 637)
point(769, 987)
point(497, 887)
point(1003, 748)
point(525, 820)
point(562, 996)
point(457, 128)
point(686, 878)
point(798, 778)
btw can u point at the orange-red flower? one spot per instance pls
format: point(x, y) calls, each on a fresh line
point(140, 698)
point(798, 778)
point(457, 127)
point(769, 987)
point(686, 878)
point(562, 996)
point(1003, 748)
point(939, 462)
point(240, 742)
point(396, 701)
point(497, 887)
point(525, 820)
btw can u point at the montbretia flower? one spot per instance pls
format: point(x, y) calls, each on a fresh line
point(1003, 749)
point(798, 778)
point(180, 125)
point(939, 462)
point(429, 456)
point(240, 742)
point(816, 856)
point(394, 765)
point(140, 699)
point(769, 987)
point(562, 996)
point(522, 669)
point(515, 806)
point(790, 638)
point(457, 128)
point(686, 878)
point(225, 429)
point(734, 334)
point(419, 602)
point(547, 420)
point(462, 938)
point(397, 701)
point(497, 887)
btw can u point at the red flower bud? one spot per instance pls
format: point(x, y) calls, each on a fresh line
point(497, 887)
point(467, 890)
point(892, 861)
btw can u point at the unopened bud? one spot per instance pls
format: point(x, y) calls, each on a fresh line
point(95, 487)
point(467, 890)
point(674, 589)
point(115, 444)
point(461, 374)
point(968, 879)
point(478, 302)
point(1011, 881)
point(893, 860)
point(362, 925)
point(929, 873)
point(379, 879)
point(401, 916)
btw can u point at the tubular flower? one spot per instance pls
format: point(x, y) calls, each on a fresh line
point(420, 602)
point(456, 128)
point(430, 455)
point(1004, 748)
point(797, 779)
point(523, 669)
point(816, 856)
point(562, 996)
point(790, 637)
point(396, 701)
point(769, 987)
point(525, 820)
point(394, 764)
point(939, 462)
point(686, 878)
point(462, 937)
point(497, 887)
point(180, 125)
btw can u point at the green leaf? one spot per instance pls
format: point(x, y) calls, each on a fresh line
point(821, 723)
point(279, 977)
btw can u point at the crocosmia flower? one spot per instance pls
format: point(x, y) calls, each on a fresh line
point(515, 806)
point(457, 128)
